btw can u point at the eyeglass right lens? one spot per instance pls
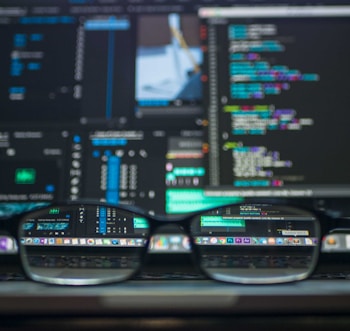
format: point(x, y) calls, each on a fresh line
point(82, 244)
point(257, 243)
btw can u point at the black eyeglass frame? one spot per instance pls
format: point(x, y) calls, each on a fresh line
point(12, 227)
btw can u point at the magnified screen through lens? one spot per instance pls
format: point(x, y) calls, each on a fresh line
point(257, 243)
point(83, 244)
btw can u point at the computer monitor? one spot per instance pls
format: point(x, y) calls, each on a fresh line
point(170, 105)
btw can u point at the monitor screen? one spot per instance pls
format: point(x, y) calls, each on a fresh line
point(276, 82)
point(102, 100)
point(173, 106)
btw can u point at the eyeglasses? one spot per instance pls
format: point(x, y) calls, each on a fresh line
point(91, 244)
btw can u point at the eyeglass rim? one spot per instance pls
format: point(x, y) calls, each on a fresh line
point(155, 222)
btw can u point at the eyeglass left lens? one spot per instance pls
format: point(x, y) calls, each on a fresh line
point(82, 244)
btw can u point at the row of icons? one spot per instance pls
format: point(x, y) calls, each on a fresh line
point(120, 242)
point(257, 241)
point(139, 242)
point(336, 242)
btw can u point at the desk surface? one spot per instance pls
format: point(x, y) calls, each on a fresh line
point(182, 297)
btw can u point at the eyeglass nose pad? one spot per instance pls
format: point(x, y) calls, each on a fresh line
point(170, 238)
